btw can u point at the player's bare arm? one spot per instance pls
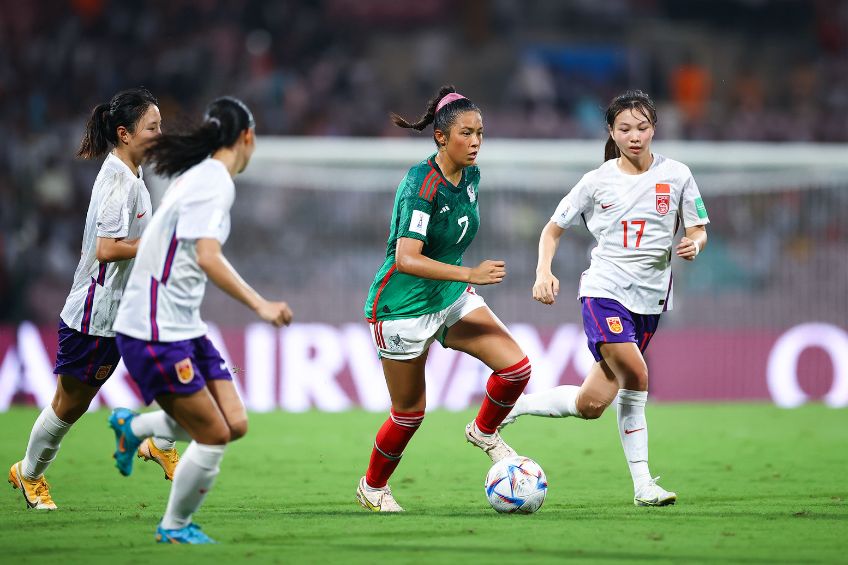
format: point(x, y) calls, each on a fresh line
point(411, 261)
point(223, 274)
point(109, 249)
point(692, 243)
point(546, 287)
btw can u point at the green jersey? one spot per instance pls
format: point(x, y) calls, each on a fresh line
point(445, 217)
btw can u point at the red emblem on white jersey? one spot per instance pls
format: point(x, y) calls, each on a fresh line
point(663, 198)
point(614, 324)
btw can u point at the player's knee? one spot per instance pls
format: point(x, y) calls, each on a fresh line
point(639, 379)
point(591, 409)
point(238, 429)
point(408, 407)
point(217, 434)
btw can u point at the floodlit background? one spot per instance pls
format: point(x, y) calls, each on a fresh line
point(751, 94)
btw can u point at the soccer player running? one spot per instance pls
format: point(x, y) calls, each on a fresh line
point(118, 213)
point(633, 205)
point(423, 293)
point(160, 334)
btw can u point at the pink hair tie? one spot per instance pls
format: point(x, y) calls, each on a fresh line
point(448, 99)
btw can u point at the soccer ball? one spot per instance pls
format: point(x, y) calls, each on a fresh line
point(516, 485)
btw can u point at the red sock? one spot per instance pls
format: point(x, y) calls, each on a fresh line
point(502, 390)
point(391, 441)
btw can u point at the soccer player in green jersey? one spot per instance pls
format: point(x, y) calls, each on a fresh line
point(423, 293)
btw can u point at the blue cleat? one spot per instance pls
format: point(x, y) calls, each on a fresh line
point(126, 443)
point(188, 534)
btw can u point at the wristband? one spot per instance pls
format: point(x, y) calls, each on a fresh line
point(697, 248)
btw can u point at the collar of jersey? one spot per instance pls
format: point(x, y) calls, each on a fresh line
point(431, 160)
point(123, 166)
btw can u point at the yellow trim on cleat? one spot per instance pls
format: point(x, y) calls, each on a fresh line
point(167, 459)
point(36, 492)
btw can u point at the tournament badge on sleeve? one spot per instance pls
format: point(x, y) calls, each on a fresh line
point(663, 198)
point(185, 370)
point(614, 324)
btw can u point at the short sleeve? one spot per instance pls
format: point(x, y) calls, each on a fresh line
point(414, 207)
point(577, 202)
point(208, 216)
point(113, 213)
point(694, 211)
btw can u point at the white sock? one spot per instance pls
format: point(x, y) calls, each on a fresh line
point(44, 440)
point(633, 429)
point(558, 402)
point(160, 426)
point(193, 479)
point(163, 444)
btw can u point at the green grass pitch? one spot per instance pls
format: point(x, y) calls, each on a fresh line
point(756, 484)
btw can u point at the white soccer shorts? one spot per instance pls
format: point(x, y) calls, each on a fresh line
point(408, 338)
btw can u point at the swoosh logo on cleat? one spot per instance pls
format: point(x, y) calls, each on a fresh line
point(121, 447)
point(605, 206)
point(141, 215)
point(628, 432)
point(367, 503)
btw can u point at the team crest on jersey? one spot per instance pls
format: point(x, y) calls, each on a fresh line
point(103, 372)
point(614, 324)
point(185, 370)
point(471, 196)
point(663, 198)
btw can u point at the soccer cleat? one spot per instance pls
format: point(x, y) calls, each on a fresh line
point(189, 534)
point(167, 459)
point(126, 443)
point(652, 494)
point(376, 500)
point(493, 445)
point(36, 491)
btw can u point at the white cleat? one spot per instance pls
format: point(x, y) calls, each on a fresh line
point(376, 500)
point(652, 494)
point(492, 445)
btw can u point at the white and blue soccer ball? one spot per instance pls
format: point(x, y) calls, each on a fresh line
point(516, 485)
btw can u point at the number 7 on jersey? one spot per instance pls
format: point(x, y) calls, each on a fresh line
point(463, 221)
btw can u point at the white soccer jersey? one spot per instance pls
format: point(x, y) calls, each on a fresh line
point(119, 208)
point(633, 218)
point(163, 296)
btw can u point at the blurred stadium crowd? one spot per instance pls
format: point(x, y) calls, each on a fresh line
point(719, 70)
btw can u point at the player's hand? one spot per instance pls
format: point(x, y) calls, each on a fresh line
point(488, 272)
point(546, 288)
point(686, 249)
point(275, 313)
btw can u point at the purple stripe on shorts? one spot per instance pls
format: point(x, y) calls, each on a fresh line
point(162, 370)
point(101, 274)
point(169, 258)
point(91, 357)
point(88, 307)
point(154, 294)
point(600, 329)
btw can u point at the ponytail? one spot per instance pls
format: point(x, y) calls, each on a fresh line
point(611, 150)
point(125, 109)
point(429, 115)
point(96, 139)
point(442, 117)
point(634, 100)
point(174, 153)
